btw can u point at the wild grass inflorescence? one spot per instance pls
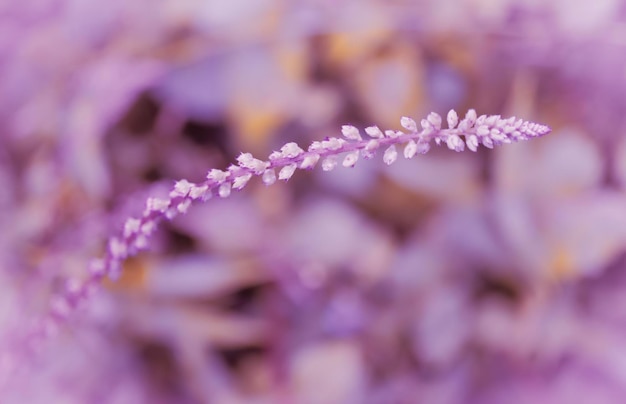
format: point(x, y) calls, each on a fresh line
point(469, 132)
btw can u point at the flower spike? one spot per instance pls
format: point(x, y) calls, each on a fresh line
point(470, 132)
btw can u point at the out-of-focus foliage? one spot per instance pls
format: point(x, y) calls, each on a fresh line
point(495, 277)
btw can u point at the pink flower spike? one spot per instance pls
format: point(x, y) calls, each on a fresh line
point(135, 234)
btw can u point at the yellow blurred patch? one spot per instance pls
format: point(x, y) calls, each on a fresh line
point(390, 84)
point(262, 106)
point(364, 31)
point(293, 60)
point(255, 124)
point(134, 274)
point(349, 48)
point(562, 265)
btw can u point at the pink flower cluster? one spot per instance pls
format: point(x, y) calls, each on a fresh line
point(471, 131)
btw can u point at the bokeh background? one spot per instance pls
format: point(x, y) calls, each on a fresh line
point(495, 277)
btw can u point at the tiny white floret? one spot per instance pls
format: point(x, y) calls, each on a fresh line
point(410, 149)
point(350, 132)
point(241, 181)
point(148, 227)
point(218, 176)
point(329, 163)
point(435, 120)
point(131, 226)
point(455, 143)
point(472, 142)
point(183, 207)
point(374, 131)
point(291, 150)
point(156, 205)
point(470, 117)
point(269, 176)
point(334, 143)
point(286, 172)
point(197, 191)
point(482, 131)
point(224, 190)
point(181, 188)
point(391, 154)
point(316, 146)
point(351, 159)
point(423, 147)
point(275, 155)
point(453, 119)
point(117, 248)
point(309, 161)
point(97, 267)
point(408, 123)
point(372, 145)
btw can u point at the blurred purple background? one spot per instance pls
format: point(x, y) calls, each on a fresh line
point(495, 277)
